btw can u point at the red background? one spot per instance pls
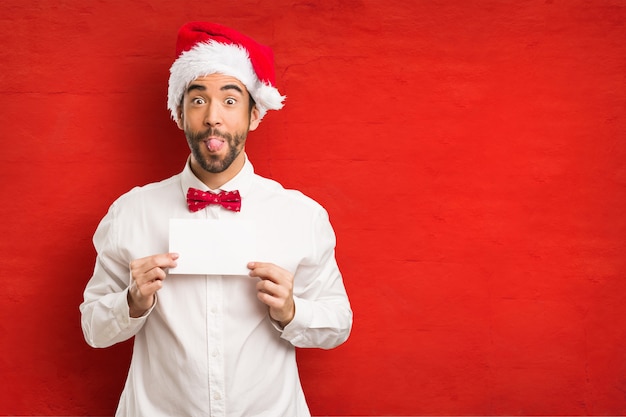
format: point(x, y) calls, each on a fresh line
point(470, 153)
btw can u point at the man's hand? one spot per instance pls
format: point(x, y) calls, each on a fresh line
point(148, 276)
point(275, 289)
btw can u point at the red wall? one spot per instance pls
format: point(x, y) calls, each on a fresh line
point(471, 154)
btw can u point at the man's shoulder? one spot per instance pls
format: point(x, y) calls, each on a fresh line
point(155, 190)
point(289, 197)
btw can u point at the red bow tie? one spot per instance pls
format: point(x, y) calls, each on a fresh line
point(198, 199)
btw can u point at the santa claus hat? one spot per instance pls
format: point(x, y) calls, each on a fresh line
point(207, 48)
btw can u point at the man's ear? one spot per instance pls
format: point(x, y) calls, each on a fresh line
point(255, 118)
point(179, 118)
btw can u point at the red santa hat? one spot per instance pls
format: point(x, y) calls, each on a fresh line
point(207, 48)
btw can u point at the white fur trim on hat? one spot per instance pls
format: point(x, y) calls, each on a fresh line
point(214, 57)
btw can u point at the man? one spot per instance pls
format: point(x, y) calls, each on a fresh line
point(216, 345)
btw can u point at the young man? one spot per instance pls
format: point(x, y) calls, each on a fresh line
point(216, 345)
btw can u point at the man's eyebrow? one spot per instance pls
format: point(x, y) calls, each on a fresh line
point(232, 87)
point(195, 87)
point(226, 87)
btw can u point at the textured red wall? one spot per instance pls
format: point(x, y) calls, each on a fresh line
point(471, 155)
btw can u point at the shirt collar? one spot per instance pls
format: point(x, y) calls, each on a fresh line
point(242, 181)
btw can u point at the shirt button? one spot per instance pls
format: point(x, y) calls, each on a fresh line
point(217, 396)
point(215, 353)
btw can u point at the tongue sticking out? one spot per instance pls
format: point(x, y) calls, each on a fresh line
point(214, 145)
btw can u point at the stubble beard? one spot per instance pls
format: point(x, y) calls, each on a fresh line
point(215, 164)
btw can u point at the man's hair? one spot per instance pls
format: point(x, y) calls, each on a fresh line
point(252, 102)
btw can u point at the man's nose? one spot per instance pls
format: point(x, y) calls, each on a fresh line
point(213, 115)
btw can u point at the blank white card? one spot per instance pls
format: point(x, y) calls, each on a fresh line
point(212, 247)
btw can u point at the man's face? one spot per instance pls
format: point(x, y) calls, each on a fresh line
point(216, 118)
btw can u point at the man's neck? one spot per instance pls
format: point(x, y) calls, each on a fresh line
point(216, 180)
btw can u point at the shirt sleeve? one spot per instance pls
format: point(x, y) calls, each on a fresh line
point(105, 315)
point(323, 316)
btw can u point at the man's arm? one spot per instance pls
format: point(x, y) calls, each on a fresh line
point(312, 307)
point(116, 300)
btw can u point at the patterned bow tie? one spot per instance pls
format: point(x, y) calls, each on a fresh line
point(198, 199)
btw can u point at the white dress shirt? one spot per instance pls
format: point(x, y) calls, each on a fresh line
point(208, 346)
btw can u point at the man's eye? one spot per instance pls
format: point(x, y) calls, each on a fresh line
point(198, 100)
point(230, 101)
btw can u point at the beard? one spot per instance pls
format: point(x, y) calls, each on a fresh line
point(215, 163)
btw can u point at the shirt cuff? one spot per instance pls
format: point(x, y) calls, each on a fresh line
point(121, 310)
point(294, 331)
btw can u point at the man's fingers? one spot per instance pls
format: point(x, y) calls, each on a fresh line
point(149, 270)
point(271, 272)
point(275, 289)
point(155, 285)
point(163, 260)
point(272, 289)
point(258, 270)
